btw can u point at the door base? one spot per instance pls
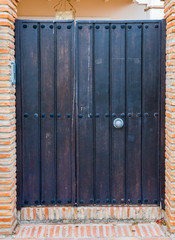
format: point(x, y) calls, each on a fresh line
point(84, 214)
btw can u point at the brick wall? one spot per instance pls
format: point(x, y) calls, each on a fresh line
point(8, 9)
point(7, 118)
point(170, 115)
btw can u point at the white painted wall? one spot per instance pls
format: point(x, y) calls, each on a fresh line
point(154, 8)
point(93, 9)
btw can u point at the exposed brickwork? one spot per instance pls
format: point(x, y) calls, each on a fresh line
point(8, 220)
point(8, 140)
point(90, 231)
point(89, 214)
point(170, 115)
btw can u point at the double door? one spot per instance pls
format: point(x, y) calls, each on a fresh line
point(89, 112)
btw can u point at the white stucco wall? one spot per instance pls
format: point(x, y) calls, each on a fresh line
point(93, 9)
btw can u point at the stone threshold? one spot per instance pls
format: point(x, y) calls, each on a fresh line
point(86, 214)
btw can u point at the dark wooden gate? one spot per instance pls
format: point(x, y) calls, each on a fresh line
point(69, 151)
point(119, 76)
point(45, 104)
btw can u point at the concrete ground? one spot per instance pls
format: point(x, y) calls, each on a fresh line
point(110, 231)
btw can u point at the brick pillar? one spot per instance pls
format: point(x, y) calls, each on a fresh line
point(170, 115)
point(8, 9)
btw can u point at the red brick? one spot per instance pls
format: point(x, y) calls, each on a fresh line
point(7, 120)
point(170, 117)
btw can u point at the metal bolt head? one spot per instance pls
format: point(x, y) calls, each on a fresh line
point(118, 123)
point(139, 114)
point(156, 114)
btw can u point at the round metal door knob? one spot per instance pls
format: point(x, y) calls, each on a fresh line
point(118, 123)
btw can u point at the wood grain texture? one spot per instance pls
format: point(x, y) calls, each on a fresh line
point(133, 103)
point(30, 105)
point(118, 75)
point(48, 129)
point(85, 164)
point(150, 130)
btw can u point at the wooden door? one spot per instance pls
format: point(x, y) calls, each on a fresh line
point(119, 77)
point(90, 112)
point(46, 156)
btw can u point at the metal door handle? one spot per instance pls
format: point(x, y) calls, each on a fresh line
point(118, 123)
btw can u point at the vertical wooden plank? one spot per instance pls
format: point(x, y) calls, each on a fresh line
point(118, 109)
point(30, 114)
point(65, 113)
point(133, 90)
point(150, 98)
point(48, 166)
point(162, 110)
point(101, 91)
point(18, 113)
point(85, 179)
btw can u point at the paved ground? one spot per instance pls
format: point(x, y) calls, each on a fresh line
point(110, 231)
